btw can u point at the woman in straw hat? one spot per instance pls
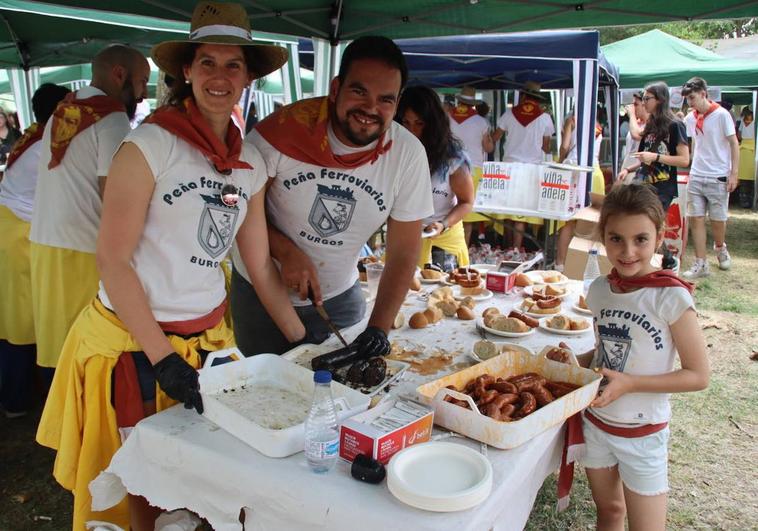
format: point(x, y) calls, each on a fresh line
point(181, 188)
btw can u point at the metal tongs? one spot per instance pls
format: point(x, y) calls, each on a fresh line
point(325, 316)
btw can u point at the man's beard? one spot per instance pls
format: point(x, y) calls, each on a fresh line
point(356, 137)
point(128, 98)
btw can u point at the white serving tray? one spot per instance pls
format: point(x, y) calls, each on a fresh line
point(273, 371)
point(506, 435)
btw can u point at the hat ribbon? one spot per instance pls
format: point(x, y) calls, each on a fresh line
point(214, 30)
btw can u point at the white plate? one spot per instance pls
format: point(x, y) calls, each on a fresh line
point(544, 326)
point(579, 309)
point(502, 333)
point(537, 278)
point(440, 476)
point(430, 234)
point(483, 296)
point(483, 268)
point(529, 290)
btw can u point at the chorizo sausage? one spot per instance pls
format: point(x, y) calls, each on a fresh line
point(531, 322)
point(559, 389)
point(504, 387)
point(551, 302)
point(543, 396)
point(528, 405)
point(522, 377)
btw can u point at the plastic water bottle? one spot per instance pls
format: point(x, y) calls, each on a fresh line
point(591, 270)
point(322, 440)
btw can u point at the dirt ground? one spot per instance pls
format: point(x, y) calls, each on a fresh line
point(713, 452)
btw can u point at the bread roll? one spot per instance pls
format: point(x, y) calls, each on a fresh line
point(468, 302)
point(418, 320)
point(509, 324)
point(485, 349)
point(555, 290)
point(583, 303)
point(431, 274)
point(415, 284)
point(433, 315)
point(448, 307)
point(522, 280)
point(477, 290)
point(551, 276)
point(490, 311)
point(465, 314)
point(399, 321)
point(559, 322)
point(579, 324)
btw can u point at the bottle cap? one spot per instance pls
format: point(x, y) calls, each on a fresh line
point(322, 377)
point(593, 251)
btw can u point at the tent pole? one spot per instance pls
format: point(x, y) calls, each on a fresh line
point(755, 170)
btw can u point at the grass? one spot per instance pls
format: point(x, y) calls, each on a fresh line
point(712, 454)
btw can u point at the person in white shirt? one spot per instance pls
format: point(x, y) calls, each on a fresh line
point(17, 350)
point(637, 114)
point(746, 134)
point(339, 167)
point(77, 147)
point(473, 130)
point(527, 129)
point(182, 187)
point(713, 174)
point(644, 320)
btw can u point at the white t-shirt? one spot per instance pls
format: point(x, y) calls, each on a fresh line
point(747, 131)
point(67, 202)
point(571, 157)
point(443, 196)
point(329, 213)
point(470, 133)
point(524, 144)
point(19, 181)
point(711, 155)
point(634, 337)
point(188, 230)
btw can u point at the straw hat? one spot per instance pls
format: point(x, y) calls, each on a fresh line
point(218, 23)
point(468, 95)
point(532, 88)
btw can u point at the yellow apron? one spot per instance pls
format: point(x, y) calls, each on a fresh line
point(747, 160)
point(16, 320)
point(63, 282)
point(79, 421)
point(453, 241)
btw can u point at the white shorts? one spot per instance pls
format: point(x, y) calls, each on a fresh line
point(642, 461)
point(708, 194)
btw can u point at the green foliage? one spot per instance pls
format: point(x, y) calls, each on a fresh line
point(695, 32)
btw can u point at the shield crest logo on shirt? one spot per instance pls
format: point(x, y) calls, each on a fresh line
point(216, 229)
point(332, 210)
point(615, 345)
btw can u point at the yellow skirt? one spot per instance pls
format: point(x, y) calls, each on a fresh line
point(79, 421)
point(63, 282)
point(453, 241)
point(747, 160)
point(16, 319)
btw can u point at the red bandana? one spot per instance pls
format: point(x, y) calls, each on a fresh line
point(27, 140)
point(462, 112)
point(299, 131)
point(700, 118)
point(527, 111)
point(656, 279)
point(190, 125)
point(72, 116)
point(598, 130)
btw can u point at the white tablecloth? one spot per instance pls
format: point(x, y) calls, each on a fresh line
point(179, 459)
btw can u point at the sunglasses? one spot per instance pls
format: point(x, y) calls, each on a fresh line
point(648, 98)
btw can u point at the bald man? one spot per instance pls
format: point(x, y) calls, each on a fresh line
point(77, 146)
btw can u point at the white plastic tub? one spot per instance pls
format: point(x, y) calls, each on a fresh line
point(234, 395)
point(506, 435)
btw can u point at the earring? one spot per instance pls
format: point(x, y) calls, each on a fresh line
point(187, 81)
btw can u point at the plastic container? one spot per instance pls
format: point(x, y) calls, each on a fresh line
point(591, 270)
point(322, 436)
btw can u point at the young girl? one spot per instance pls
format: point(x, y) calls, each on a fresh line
point(643, 318)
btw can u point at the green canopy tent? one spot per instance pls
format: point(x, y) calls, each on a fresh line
point(656, 55)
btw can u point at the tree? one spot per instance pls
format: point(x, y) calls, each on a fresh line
point(695, 32)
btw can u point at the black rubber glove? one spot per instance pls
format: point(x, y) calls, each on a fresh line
point(372, 342)
point(179, 380)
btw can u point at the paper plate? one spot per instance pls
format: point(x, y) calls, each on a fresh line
point(537, 278)
point(521, 309)
point(503, 333)
point(579, 309)
point(440, 476)
point(483, 268)
point(500, 347)
point(430, 234)
point(483, 296)
point(543, 326)
point(529, 291)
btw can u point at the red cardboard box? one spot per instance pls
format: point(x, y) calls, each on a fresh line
point(358, 436)
point(500, 282)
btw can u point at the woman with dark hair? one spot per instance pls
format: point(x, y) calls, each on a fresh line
point(8, 136)
point(181, 189)
point(663, 146)
point(421, 112)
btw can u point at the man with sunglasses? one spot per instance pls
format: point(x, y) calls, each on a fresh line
point(713, 174)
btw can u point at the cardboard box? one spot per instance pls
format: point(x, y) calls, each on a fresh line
point(586, 222)
point(576, 258)
point(358, 436)
point(500, 282)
